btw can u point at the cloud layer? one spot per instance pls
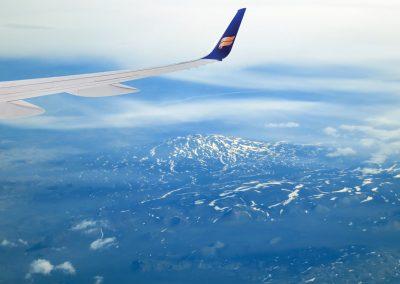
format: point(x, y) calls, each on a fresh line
point(134, 113)
point(286, 31)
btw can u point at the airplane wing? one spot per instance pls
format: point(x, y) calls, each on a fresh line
point(100, 84)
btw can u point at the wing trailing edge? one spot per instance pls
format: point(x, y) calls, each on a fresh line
point(18, 109)
point(105, 91)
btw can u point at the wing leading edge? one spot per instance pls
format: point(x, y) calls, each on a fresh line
point(100, 84)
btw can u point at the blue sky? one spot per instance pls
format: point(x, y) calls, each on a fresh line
point(304, 72)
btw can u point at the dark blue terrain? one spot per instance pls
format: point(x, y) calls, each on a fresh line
point(195, 209)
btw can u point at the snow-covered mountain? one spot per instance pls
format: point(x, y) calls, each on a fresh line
point(218, 152)
point(238, 176)
point(232, 174)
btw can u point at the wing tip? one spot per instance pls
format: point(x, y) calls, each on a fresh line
point(225, 44)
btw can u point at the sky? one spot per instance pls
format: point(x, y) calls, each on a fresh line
point(304, 71)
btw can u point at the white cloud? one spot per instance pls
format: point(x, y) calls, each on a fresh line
point(7, 243)
point(83, 225)
point(102, 243)
point(11, 244)
point(236, 77)
point(45, 267)
point(23, 242)
point(90, 227)
point(371, 171)
point(330, 131)
point(32, 155)
point(98, 279)
point(367, 142)
point(383, 142)
point(346, 30)
point(388, 118)
point(384, 151)
point(66, 267)
point(127, 113)
point(282, 125)
point(342, 152)
point(379, 133)
point(41, 266)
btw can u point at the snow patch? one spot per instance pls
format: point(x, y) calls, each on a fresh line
point(367, 181)
point(293, 195)
point(85, 224)
point(102, 243)
point(369, 198)
point(344, 190)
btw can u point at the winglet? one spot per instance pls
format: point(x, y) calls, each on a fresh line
point(226, 42)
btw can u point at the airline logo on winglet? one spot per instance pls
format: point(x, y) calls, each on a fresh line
point(226, 41)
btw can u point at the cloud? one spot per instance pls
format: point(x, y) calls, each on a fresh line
point(367, 142)
point(103, 243)
point(385, 151)
point(33, 155)
point(45, 267)
point(379, 133)
point(126, 113)
point(25, 27)
point(98, 279)
point(371, 171)
point(22, 242)
point(7, 243)
point(388, 118)
point(346, 31)
point(66, 267)
point(89, 226)
point(282, 125)
point(83, 225)
point(10, 244)
point(342, 152)
point(239, 77)
point(381, 142)
point(41, 266)
point(330, 131)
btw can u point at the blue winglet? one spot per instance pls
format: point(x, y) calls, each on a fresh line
point(226, 42)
